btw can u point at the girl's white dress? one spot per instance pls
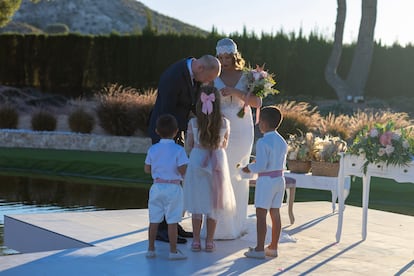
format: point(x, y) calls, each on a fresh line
point(199, 189)
point(238, 152)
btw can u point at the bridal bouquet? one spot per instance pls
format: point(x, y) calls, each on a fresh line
point(383, 143)
point(259, 83)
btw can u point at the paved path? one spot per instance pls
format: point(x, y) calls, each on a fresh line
point(118, 242)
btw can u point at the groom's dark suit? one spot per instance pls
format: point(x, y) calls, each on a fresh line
point(177, 95)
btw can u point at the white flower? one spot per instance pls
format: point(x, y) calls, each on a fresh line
point(395, 136)
point(293, 155)
point(389, 149)
point(381, 151)
point(373, 132)
point(405, 144)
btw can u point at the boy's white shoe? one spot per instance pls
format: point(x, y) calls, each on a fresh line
point(177, 256)
point(270, 252)
point(252, 253)
point(150, 254)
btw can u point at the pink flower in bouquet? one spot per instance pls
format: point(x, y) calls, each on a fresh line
point(259, 83)
point(385, 138)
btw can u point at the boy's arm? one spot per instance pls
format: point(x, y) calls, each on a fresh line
point(147, 168)
point(261, 159)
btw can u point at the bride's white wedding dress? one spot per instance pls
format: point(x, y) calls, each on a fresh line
point(233, 226)
point(238, 152)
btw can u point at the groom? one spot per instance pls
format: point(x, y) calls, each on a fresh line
point(177, 94)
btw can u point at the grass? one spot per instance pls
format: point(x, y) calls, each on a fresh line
point(127, 169)
point(108, 168)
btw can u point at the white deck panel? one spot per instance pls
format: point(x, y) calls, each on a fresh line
point(118, 242)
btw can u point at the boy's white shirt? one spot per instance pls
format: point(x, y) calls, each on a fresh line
point(271, 151)
point(165, 157)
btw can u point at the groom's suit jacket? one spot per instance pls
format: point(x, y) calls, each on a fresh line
point(176, 95)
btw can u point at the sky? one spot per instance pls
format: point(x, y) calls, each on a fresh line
point(395, 22)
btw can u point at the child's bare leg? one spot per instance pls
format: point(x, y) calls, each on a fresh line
point(172, 234)
point(152, 234)
point(261, 228)
point(276, 227)
point(211, 229)
point(197, 220)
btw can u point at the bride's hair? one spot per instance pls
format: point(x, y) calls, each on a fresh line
point(209, 125)
point(239, 61)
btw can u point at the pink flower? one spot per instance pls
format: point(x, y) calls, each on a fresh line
point(385, 138)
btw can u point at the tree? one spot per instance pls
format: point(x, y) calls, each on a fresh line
point(357, 77)
point(8, 8)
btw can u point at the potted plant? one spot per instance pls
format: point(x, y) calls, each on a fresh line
point(382, 143)
point(326, 155)
point(299, 154)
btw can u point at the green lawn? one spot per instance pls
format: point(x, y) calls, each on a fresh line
point(127, 169)
point(109, 168)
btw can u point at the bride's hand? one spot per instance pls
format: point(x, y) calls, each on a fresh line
point(226, 91)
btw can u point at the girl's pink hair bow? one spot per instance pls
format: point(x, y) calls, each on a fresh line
point(207, 102)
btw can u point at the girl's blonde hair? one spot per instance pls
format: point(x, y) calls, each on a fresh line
point(209, 125)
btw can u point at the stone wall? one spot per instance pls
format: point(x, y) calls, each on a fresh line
point(73, 141)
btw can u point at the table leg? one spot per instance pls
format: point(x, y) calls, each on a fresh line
point(292, 192)
point(366, 179)
point(341, 200)
point(334, 198)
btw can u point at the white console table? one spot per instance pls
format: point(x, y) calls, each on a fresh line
point(309, 181)
point(351, 165)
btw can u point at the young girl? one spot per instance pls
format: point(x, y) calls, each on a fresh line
point(207, 186)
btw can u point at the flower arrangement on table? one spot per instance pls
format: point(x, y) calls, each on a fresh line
point(300, 147)
point(299, 154)
point(383, 143)
point(259, 83)
point(326, 155)
point(328, 149)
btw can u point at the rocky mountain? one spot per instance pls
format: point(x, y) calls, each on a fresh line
point(93, 17)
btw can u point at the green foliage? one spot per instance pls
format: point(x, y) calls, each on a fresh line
point(43, 121)
point(9, 117)
point(81, 121)
point(7, 10)
point(298, 62)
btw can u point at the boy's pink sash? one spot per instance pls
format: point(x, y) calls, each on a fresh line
point(272, 174)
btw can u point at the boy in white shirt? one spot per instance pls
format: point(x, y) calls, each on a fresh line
point(167, 163)
point(271, 151)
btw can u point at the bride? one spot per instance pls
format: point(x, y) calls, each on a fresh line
point(232, 85)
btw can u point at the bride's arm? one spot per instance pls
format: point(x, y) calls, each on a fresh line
point(249, 99)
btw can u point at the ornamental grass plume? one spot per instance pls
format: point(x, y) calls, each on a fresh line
point(298, 117)
point(368, 118)
point(335, 125)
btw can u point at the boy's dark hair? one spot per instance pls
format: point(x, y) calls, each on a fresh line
point(272, 116)
point(166, 126)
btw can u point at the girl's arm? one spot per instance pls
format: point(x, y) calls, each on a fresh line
point(189, 142)
point(226, 135)
point(182, 170)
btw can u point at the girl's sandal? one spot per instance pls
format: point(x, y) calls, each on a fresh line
point(210, 246)
point(196, 246)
